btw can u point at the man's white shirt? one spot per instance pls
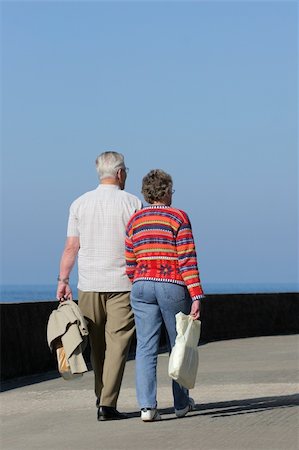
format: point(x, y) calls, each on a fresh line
point(99, 218)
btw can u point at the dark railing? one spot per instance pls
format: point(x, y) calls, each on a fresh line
point(24, 349)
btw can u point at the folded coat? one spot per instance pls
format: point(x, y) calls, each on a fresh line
point(68, 324)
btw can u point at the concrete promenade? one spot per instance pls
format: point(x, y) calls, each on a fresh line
point(246, 395)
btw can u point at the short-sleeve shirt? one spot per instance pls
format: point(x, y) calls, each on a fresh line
point(99, 219)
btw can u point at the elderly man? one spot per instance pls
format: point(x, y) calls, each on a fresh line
point(96, 233)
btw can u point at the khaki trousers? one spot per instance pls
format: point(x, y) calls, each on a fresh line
point(111, 327)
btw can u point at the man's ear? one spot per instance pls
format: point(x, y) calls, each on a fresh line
point(121, 177)
point(118, 175)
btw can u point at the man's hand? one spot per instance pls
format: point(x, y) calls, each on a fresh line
point(64, 291)
point(195, 310)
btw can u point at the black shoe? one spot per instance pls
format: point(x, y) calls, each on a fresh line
point(110, 413)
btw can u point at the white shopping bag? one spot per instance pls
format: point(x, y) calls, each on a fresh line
point(183, 361)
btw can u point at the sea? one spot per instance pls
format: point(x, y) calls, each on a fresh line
point(47, 292)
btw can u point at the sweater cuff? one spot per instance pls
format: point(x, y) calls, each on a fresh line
point(197, 297)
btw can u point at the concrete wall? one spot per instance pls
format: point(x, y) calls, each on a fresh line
point(24, 349)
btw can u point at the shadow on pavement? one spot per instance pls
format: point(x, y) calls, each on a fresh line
point(237, 407)
point(14, 383)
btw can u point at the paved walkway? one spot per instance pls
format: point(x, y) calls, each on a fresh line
point(246, 395)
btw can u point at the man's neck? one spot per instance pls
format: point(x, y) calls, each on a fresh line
point(110, 181)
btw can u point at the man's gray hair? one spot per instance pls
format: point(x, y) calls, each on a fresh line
point(108, 163)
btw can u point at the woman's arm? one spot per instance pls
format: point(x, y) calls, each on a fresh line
point(130, 255)
point(188, 264)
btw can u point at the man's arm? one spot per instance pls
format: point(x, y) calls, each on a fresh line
point(67, 262)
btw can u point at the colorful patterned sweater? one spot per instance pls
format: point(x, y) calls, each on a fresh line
point(160, 247)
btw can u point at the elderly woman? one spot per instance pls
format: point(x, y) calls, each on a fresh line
point(161, 263)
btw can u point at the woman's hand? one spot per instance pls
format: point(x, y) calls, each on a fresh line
point(195, 310)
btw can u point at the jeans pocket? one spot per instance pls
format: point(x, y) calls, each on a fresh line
point(174, 292)
point(137, 290)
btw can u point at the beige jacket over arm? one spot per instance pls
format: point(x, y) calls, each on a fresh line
point(68, 324)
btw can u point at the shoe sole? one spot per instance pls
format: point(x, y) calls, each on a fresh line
point(151, 420)
point(105, 418)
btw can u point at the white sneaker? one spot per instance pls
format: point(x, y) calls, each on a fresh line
point(189, 407)
point(150, 415)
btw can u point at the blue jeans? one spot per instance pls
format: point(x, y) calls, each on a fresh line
point(154, 302)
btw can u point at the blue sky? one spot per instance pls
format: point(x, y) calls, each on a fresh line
point(204, 90)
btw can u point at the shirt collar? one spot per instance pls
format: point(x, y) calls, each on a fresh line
point(108, 186)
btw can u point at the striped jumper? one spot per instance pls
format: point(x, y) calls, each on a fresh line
point(160, 247)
